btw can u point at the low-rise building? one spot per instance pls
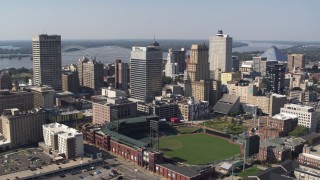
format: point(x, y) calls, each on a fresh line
point(64, 115)
point(230, 76)
point(61, 140)
point(22, 100)
point(279, 149)
point(307, 116)
point(113, 109)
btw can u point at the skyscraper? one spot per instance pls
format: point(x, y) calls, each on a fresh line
point(172, 67)
point(220, 53)
point(146, 72)
point(296, 61)
point(275, 77)
point(46, 51)
point(198, 84)
point(70, 82)
point(90, 73)
point(121, 75)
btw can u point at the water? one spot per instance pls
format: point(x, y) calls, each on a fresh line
point(258, 46)
point(108, 54)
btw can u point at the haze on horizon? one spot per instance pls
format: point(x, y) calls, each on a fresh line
point(287, 20)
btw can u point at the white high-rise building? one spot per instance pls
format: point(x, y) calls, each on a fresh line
point(172, 67)
point(46, 51)
point(307, 116)
point(220, 53)
point(63, 140)
point(146, 72)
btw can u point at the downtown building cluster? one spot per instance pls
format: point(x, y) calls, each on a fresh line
point(205, 80)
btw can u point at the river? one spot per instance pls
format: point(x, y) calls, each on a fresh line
point(108, 54)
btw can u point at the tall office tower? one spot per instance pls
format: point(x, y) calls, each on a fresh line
point(172, 66)
point(146, 72)
point(296, 61)
point(180, 58)
point(46, 51)
point(235, 64)
point(121, 75)
point(198, 84)
point(70, 82)
point(220, 56)
point(275, 78)
point(5, 80)
point(90, 73)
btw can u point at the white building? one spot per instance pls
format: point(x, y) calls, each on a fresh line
point(220, 53)
point(172, 67)
point(307, 115)
point(63, 140)
point(112, 93)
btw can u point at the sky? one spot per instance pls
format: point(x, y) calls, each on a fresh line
point(289, 20)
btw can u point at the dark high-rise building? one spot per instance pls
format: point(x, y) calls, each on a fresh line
point(146, 72)
point(70, 82)
point(275, 77)
point(296, 61)
point(121, 75)
point(5, 80)
point(90, 73)
point(46, 51)
point(235, 64)
point(180, 58)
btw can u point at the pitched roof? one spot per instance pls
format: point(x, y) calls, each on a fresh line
point(273, 54)
point(226, 103)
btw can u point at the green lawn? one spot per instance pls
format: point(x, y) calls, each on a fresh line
point(249, 172)
point(197, 148)
point(220, 125)
point(187, 129)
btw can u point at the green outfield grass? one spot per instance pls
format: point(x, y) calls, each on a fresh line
point(197, 148)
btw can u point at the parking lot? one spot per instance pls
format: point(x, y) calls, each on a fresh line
point(100, 172)
point(21, 160)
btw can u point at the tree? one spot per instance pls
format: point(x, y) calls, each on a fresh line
point(299, 131)
point(167, 80)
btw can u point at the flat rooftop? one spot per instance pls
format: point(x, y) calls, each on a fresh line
point(284, 116)
point(57, 128)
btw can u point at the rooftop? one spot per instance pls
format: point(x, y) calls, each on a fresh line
point(57, 128)
point(284, 116)
point(274, 54)
point(186, 170)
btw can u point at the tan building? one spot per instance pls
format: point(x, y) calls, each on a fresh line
point(296, 61)
point(198, 84)
point(43, 96)
point(106, 112)
point(70, 82)
point(242, 89)
point(90, 73)
point(216, 91)
point(270, 104)
point(21, 100)
point(21, 128)
point(230, 76)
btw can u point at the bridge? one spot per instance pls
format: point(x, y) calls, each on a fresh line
point(73, 48)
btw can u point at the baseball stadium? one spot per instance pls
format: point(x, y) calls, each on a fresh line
point(173, 152)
